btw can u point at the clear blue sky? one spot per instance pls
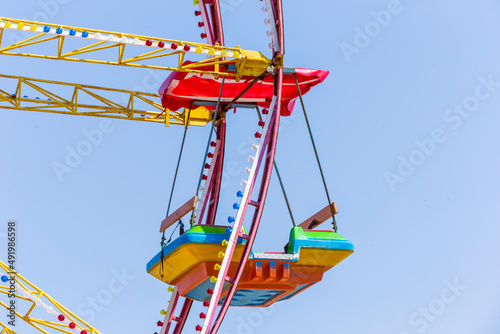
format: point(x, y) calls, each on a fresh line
point(406, 126)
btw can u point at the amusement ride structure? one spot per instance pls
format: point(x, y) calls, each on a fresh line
point(212, 262)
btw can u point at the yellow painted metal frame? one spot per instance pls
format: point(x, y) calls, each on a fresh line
point(39, 294)
point(5, 329)
point(247, 63)
point(51, 102)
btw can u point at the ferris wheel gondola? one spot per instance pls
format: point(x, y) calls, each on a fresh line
point(212, 262)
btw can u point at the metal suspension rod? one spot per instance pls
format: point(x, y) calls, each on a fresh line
point(218, 33)
point(254, 81)
point(281, 181)
point(162, 243)
point(208, 142)
point(178, 163)
point(217, 177)
point(284, 193)
point(316, 153)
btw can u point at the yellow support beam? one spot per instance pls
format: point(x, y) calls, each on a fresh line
point(5, 329)
point(26, 292)
point(130, 50)
point(85, 100)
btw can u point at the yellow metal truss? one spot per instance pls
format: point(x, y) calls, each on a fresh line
point(27, 292)
point(87, 100)
point(53, 37)
point(5, 329)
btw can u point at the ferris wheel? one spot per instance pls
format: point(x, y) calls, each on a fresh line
point(211, 261)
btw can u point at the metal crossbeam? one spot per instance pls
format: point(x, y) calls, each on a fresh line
point(26, 292)
point(87, 100)
point(131, 50)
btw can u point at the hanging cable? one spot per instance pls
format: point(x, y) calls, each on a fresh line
point(280, 180)
point(173, 186)
point(316, 153)
point(284, 193)
point(216, 114)
point(179, 161)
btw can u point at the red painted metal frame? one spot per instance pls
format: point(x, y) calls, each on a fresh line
point(278, 14)
point(215, 182)
point(266, 141)
point(268, 167)
point(181, 319)
point(183, 316)
point(169, 322)
point(215, 18)
point(218, 37)
point(266, 177)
